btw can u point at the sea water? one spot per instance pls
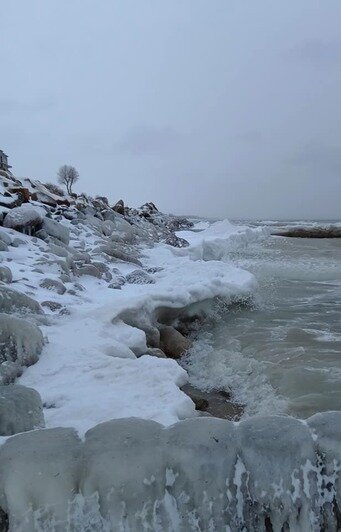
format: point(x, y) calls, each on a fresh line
point(282, 353)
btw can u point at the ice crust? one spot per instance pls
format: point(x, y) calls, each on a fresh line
point(201, 474)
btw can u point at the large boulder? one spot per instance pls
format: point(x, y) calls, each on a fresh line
point(56, 230)
point(119, 207)
point(5, 274)
point(13, 301)
point(24, 218)
point(173, 343)
point(21, 409)
point(20, 340)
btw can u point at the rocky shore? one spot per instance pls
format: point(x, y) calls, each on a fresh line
point(129, 277)
point(98, 305)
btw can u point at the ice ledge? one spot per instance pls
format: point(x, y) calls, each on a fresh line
point(264, 473)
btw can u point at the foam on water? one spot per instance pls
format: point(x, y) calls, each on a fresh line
point(284, 354)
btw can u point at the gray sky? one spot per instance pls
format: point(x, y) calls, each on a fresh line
point(210, 107)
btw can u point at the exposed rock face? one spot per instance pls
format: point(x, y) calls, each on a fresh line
point(13, 301)
point(24, 218)
point(173, 343)
point(214, 403)
point(55, 286)
point(21, 409)
point(119, 207)
point(56, 230)
point(139, 277)
point(175, 241)
point(5, 274)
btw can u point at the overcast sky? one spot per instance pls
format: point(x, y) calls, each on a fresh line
point(212, 107)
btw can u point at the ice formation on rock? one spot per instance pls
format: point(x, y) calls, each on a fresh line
point(272, 473)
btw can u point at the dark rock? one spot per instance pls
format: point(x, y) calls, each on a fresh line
point(215, 403)
point(311, 232)
point(52, 305)
point(119, 207)
point(139, 277)
point(176, 242)
point(55, 286)
point(173, 343)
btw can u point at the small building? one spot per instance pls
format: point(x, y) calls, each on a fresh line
point(4, 161)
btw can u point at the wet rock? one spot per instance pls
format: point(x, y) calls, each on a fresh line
point(5, 274)
point(311, 232)
point(139, 277)
point(21, 409)
point(176, 242)
point(173, 343)
point(214, 403)
point(155, 352)
point(53, 285)
point(13, 301)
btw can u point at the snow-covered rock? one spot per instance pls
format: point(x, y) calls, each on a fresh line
point(21, 409)
point(20, 341)
point(52, 284)
point(14, 301)
point(24, 218)
point(40, 470)
point(5, 274)
point(57, 230)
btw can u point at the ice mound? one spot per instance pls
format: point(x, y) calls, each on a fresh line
point(268, 473)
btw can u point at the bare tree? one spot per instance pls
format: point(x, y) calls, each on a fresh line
point(68, 175)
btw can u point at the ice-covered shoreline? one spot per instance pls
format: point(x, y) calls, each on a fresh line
point(97, 361)
point(96, 432)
